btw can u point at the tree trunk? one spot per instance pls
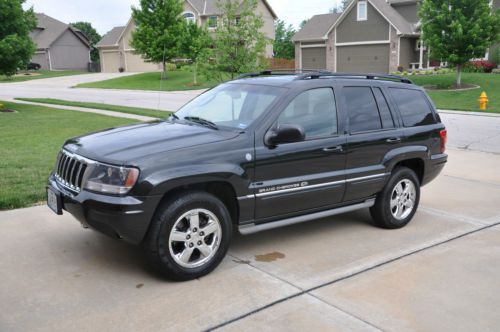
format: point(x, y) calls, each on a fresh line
point(164, 73)
point(195, 78)
point(459, 75)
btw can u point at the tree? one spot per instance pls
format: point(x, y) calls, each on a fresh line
point(303, 23)
point(239, 42)
point(340, 7)
point(16, 46)
point(92, 35)
point(196, 47)
point(283, 44)
point(160, 30)
point(458, 30)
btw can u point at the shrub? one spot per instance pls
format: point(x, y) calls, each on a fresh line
point(479, 66)
point(496, 71)
point(405, 73)
point(171, 67)
point(400, 69)
point(121, 69)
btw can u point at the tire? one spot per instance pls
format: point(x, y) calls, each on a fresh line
point(398, 214)
point(180, 251)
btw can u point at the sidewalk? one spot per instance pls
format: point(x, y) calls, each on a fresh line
point(88, 110)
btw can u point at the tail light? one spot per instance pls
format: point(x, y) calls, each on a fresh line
point(444, 137)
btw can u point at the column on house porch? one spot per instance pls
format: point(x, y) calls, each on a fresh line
point(421, 56)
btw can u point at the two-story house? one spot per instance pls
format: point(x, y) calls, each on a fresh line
point(369, 36)
point(116, 51)
point(59, 45)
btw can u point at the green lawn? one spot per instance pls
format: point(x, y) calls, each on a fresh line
point(42, 74)
point(30, 140)
point(107, 107)
point(176, 81)
point(463, 100)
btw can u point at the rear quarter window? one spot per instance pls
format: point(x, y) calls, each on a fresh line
point(413, 106)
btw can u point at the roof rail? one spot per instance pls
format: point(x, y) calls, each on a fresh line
point(277, 72)
point(321, 73)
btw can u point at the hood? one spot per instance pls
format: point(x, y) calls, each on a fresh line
point(131, 144)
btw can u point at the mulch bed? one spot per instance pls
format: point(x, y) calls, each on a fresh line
point(7, 111)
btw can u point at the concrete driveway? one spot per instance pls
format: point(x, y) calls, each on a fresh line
point(343, 274)
point(62, 88)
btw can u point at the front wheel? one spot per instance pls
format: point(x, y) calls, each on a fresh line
point(189, 236)
point(396, 205)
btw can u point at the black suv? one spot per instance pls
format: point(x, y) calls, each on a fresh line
point(264, 151)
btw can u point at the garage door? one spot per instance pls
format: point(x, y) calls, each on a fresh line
point(363, 59)
point(314, 58)
point(110, 62)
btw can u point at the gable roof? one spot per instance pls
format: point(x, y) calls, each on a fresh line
point(210, 7)
point(317, 27)
point(392, 16)
point(112, 37)
point(48, 30)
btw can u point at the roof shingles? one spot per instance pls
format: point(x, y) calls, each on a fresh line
point(317, 27)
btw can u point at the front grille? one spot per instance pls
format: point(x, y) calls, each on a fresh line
point(70, 171)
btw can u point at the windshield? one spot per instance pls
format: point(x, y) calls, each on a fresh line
point(230, 105)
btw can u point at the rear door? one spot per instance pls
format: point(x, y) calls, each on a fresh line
point(373, 131)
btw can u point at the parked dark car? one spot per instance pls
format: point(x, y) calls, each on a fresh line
point(34, 66)
point(264, 151)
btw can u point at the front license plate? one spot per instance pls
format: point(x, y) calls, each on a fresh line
point(54, 201)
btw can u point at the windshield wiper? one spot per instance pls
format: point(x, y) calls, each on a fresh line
point(201, 121)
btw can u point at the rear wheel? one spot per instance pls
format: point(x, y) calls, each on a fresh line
point(396, 205)
point(189, 236)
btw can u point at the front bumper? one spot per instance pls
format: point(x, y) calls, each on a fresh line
point(433, 167)
point(126, 217)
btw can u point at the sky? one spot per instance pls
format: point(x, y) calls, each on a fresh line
point(106, 14)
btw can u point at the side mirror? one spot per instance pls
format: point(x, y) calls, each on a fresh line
point(285, 134)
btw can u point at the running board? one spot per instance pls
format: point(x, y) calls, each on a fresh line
point(253, 228)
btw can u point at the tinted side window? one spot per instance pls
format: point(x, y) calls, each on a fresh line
point(383, 107)
point(315, 111)
point(362, 109)
point(413, 107)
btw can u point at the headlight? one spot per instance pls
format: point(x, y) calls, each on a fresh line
point(111, 179)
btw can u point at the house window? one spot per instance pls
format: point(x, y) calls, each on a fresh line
point(362, 11)
point(212, 22)
point(189, 17)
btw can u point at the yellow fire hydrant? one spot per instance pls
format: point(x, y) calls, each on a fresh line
point(483, 101)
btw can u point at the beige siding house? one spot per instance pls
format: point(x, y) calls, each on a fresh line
point(369, 36)
point(116, 52)
point(59, 46)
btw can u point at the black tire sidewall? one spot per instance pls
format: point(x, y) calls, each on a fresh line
point(169, 213)
point(384, 199)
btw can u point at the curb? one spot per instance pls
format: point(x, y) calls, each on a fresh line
point(491, 115)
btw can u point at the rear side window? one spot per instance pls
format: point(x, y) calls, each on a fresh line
point(413, 107)
point(362, 109)
point(383, 107)
point(315, 111)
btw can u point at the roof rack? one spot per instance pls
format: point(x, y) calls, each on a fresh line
point(321, 73)
point(276, 72)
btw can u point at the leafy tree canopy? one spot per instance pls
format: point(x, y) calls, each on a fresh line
point(160, 30)
point(196, 47)
point(239, 42)
point(283, 44)
point(459, 30)
point(16, 46)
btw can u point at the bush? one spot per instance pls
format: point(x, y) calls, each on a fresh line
point(171, 67)
point(479, 66)
point(496, 71)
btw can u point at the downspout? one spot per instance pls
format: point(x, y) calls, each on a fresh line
point(50, 60)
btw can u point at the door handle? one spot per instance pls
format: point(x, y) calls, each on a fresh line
point(334, 149)
point(393, 140)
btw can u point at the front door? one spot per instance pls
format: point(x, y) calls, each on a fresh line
point(303, 176)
